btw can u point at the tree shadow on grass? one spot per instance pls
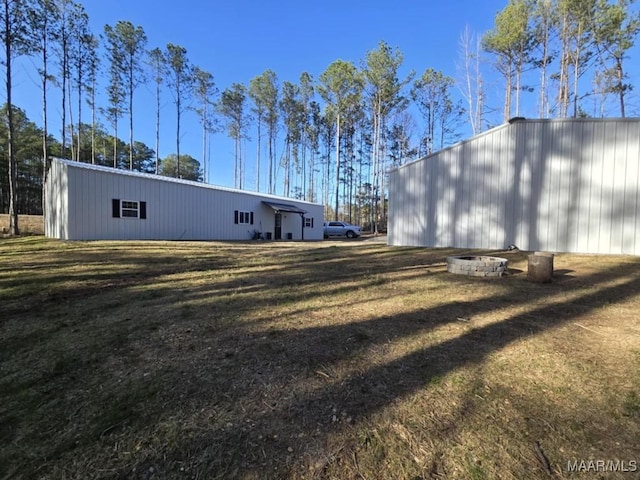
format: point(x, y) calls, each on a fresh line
point(236, 401)
point(281, 389)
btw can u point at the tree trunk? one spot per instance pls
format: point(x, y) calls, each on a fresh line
point(620, 78)
point(157, 126)
point(335, 213)
point(543, 77)
point(131, 115)
point(64, 92)
point(258, 155)
point(72, 144)
point(272, 142)
point(115, 140)
point(204, 144)
point(78, 147)
point(178, 93)
point(576, 75)
point(376, 161)
point(563, 83)
point(13, 164)
point(45, 143)
point(93, 120)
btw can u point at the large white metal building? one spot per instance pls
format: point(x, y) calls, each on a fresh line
point(569, 185)
point(90, 202)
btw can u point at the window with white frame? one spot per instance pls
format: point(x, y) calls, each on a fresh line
point(129, 209)
point(243, 218)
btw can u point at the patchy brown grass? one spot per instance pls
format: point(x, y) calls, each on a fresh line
point(28, 224)
point(331, 360)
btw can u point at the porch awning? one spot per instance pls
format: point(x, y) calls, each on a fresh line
point(284, 207)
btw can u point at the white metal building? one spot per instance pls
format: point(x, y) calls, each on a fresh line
point(90, 202)
point(569, 185)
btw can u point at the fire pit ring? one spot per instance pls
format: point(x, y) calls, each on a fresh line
point(478, 265)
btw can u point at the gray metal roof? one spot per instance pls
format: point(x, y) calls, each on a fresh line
point(284, 207)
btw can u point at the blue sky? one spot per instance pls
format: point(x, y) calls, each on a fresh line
point(237, 40)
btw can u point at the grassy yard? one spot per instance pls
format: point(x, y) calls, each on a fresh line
point(328, 360)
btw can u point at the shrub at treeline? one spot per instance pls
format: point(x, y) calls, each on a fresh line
point(339, 134)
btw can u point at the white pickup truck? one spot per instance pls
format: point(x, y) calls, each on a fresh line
point(341, 229)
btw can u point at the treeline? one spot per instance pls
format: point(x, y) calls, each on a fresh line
point(570, 54)
point(28, 140)
point(330, 139)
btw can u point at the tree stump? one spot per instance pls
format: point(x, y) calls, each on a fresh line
point(540, 267)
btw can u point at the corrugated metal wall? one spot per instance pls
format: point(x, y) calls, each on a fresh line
point(79, 207)
point(547, 185)
point(56, 196)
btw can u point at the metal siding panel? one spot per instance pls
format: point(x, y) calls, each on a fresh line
point(404, 193)
point(549, 187)
point(477, 197)
point(409, 206)
point(464, 202)
point(450, 210)
point(440, 200)
point(598, 166)
point(115, 227)
point(92, 204)
point(393, 198)
point(463, 192)
point(421, 227)
point(607, 187)
point(454, 187)
point(69, 179)
point(80, 198)
point(512, 185)
point(580, 221)
point(617, 206)
point(632, 240)
point(74, 208)
point(433, 219)
point(422, 208)
point(630, 189)
point(578, 228)
point(501, 185)
point(471, 158)
point(397, 234)
point(564, 212)
point(406, 207)
point(90, 200)
point(485, 169)
point(523, 185)
point(57, 192)
point(536, 159)
point(560, 185)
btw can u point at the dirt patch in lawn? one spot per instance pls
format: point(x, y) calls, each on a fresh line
point(336, 360)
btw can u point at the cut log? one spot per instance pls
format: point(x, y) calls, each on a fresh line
point(540, 267)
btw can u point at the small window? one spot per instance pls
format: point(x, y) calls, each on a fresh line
point(308, 222)
point(129, 209)
point(243, 218)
